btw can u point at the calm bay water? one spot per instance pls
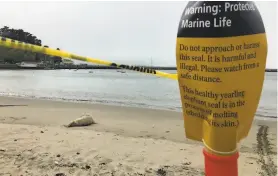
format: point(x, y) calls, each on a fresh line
point(112, 87)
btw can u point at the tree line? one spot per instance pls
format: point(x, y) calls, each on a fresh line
point(14, 55)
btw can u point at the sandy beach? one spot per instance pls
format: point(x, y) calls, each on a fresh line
point(125, 141)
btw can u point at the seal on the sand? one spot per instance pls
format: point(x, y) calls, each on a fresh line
point(84, 120)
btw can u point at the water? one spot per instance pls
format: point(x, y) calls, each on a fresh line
point(112, 87)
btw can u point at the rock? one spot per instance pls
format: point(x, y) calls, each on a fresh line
point(187, 163)
point(60, 174)
point(161, 172)
point(58, 155)
point(84, 120)
point(105, 161)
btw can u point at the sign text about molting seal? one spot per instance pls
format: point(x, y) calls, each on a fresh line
point(219, 21)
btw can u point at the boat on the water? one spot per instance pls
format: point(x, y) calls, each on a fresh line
point(121, 71)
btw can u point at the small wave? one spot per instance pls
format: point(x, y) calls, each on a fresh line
point(16, 95)
point(263, 112)
point(267, 116)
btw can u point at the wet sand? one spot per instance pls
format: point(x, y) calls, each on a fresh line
point(125, 141)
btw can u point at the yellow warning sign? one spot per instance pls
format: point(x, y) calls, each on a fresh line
point(221, 54)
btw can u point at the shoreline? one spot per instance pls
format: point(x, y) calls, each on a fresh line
point(94, 67)
point(124, 140)
point(157, 122)
point(71, 110)
point(118, 104)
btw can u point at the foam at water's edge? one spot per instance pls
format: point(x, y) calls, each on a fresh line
point(105, 102)
point(259, 115)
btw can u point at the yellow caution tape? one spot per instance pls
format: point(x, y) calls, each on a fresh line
point(9, 43)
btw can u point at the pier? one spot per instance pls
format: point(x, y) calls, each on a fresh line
point(85, 66)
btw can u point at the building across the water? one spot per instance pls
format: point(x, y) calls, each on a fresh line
point(27, 64)
point(30, 65)
point(67, 62)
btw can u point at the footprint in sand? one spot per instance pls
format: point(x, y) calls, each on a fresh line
point(91, 152)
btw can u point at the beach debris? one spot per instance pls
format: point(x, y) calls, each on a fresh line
point(187, 163)
point(77, 153)
point(84, 120)
point(15, 140)
point(56, 162)
point(167, 131)
point(58, 155)
point(60, 174)
point(148, 170)
point(161, 172)
point(264, 150)
point(87, 167)
point(42, 131)
point(2, 150)
point(105, 161)
point(102, 163)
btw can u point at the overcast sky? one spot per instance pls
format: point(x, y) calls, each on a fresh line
point(125, 32)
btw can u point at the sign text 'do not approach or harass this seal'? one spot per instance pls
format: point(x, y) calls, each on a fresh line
point(221, 56)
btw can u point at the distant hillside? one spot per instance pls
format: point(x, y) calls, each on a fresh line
point(10, 55)
point(13, 55)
